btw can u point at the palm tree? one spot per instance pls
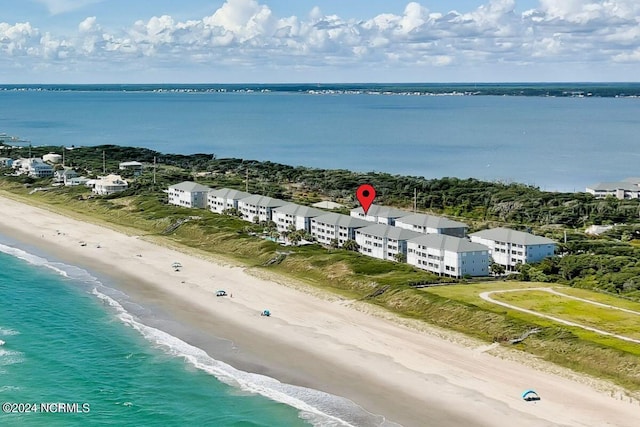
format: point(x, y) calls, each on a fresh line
point(351, 245)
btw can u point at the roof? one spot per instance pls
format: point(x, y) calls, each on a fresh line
point(227, 193)
point(191, 187)
point(341, 220)
point(512, 236)
point(389, 231)
point(448, 243)
point(431, 221)
point(613, 186)
point(299, 210)
point(383, 211)
point(325, 204)
point(633, 180)
point(263, 201)
point(111, 179)
point(130, 164)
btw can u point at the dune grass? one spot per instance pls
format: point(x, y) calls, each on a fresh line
point(348, 274)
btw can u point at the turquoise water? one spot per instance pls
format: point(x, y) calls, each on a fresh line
point(67, 341)
point(555, 143)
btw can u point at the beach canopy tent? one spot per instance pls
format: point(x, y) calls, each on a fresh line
point(530, 395)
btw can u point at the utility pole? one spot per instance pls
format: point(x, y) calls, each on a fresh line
point(154, 170)
point(415, 200)
point(246, 181)
point(104, 163)
point(63, 156)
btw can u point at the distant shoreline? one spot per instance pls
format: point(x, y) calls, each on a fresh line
point(566, 90)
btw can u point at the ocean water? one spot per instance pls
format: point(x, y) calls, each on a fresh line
point(556, 143)
point(67, 338)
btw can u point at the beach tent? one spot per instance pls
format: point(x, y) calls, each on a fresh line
point(530, 395)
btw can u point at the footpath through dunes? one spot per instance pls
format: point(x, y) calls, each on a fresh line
point(593, 311)
point(409, 376)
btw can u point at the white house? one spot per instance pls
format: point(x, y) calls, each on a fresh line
point(110, 184)
point(136, 167)
point(35, 167)
point(510, 247)
point(379, 214)
point(79, 180)
point(258, 206)
point(297, 215)
point(331, 226)
point(448, 255)
point(52, 158)
point(189, 194)
point(62, 175)
point(384, 241)
point(224, 198)
point(626, 189)
point(430, 224)
point(6, 162)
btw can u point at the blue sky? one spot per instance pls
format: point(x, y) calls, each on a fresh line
point(112, 41)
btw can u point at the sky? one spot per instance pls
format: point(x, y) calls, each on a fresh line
point(318, 41)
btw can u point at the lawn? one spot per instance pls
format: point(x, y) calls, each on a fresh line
point(584, 313)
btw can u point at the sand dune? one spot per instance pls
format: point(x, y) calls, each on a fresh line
point(412, 377)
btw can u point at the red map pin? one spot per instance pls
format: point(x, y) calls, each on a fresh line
point(365, 194)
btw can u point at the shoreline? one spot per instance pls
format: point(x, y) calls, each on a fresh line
point(408, 376)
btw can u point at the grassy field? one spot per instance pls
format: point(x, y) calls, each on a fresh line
point(565, 308)
point(584, 313)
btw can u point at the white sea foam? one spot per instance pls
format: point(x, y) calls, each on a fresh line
point(319, 408)
point(10, 357)
point(65, 270)
point(6, 332)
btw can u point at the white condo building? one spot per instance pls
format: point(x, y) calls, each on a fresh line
point(384, 241)
point(331, 226)
point(260, 207)
point(188, 194)
point(510, 247)
point(448, 255)
point(297, 215)
point(628, 188)
point(379, 214)
point(430, 224)
point(109, 184)
point(224, 198)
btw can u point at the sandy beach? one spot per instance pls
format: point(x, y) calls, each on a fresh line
point(411, 377)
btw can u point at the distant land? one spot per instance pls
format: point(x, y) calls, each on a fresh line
point(609, 90)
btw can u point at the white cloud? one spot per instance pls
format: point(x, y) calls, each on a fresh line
point(247, 34)
point(56, 7)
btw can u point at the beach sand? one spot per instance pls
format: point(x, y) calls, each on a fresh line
point(412, 377)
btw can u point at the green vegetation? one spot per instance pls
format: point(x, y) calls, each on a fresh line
point(603, 318)
point(609, 262)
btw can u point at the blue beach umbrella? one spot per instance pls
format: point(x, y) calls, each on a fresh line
point(530, 395)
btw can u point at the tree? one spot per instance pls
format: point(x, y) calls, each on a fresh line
point(496, 269)
point(351, 245)
point(296, 237)
point(334, 243)
point(400, 257)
